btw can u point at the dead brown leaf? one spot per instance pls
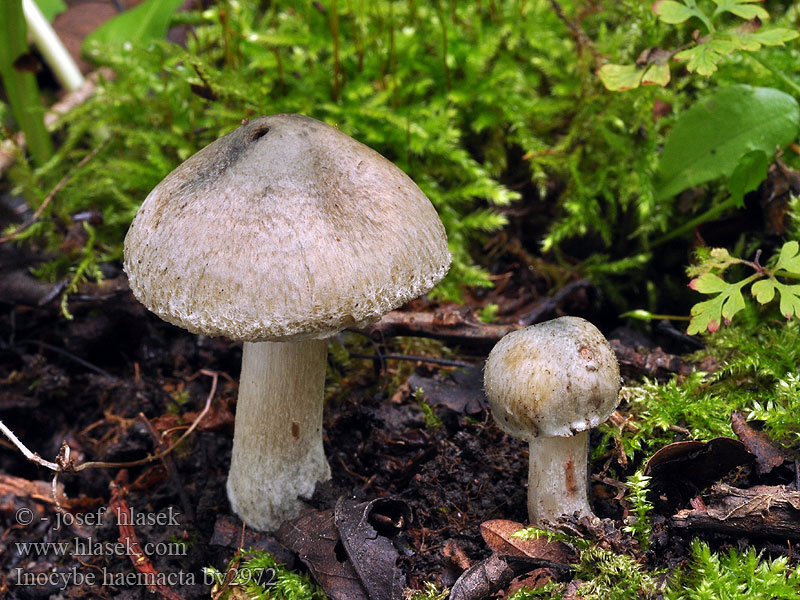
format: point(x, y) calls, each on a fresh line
point(498, 535)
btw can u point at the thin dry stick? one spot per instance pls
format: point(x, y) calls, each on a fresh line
point(32, 456)
point(58, 187)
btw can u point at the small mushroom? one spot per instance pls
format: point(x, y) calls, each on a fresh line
point(549, 384)
point(280, 234)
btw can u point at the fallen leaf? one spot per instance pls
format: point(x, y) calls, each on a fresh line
point(498, 535)
point(758, 444)
point(365, 529)
point(228, 534)
point(315, 539)
point(483, 579)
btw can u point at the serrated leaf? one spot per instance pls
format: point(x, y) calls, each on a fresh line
point(774, 36)
point(789, 258)
point(709, 139)
point(618, 78)
point(709, 283)
point(705, 316)
point(704, 57)
point(790, 299)
point(673, 12)
point(752, 41)
point(763, 291)
point(656, 74)
point(709, 313)
point(748, 175)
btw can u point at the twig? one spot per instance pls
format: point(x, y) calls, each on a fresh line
point(127, 535)
point(576, 31)
point(32, 456)
point(57, 188)
point(428, 359)
point(452, 327)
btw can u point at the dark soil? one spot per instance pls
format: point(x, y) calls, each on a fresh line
point(86, 381)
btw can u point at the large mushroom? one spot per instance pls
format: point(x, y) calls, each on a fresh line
point(280, 234)
point(549, 384)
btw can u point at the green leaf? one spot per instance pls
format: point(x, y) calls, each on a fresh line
point(709, 283)
point(790, 299)
point(146, 22)
point(709, 140)
point(673, 12)
point(656, 74)
point(707, 315)
point(764, 290)
point(51, 8)
point(748, 174)
point(775, 36)
point(704, 57)
point(620, 77)
point(789, 258)
point(752, 41)
point(741, 8)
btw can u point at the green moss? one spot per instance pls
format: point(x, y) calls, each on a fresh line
point(259, 577)
point(759, 359)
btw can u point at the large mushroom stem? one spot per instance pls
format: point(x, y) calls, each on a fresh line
point(557, 477)
point(277, 444)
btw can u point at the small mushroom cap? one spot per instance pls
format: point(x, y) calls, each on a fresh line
point(285, 228)
point(552, 379)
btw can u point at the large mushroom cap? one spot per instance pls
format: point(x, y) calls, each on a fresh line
point(552, 379)
point(285, 228)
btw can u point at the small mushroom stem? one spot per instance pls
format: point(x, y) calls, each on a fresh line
point(557, 477)
point(277, 444)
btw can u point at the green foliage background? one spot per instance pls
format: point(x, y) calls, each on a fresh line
point(482, 103)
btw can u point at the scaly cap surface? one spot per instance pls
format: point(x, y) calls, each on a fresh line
point(285, 228)
point(552, 379)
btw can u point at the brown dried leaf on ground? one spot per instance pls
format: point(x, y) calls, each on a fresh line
point(366, 529)
point(315, 539)
point(499, 536)
point(228, 533)
point(759, 444)
point(483, 579)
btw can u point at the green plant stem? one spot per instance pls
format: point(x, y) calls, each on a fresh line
point(52, 48)
point(20, 86)
point(711, 213)
point(795, 87)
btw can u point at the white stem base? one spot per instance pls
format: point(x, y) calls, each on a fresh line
point(277, 443)
point(557, 477)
